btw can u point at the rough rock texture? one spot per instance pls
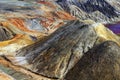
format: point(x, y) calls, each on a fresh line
point(56, 55)
point(100, 63)
point(13, 72)
point(40, 41)
point(29, 22)
point(5, 34)
point(59, 53)
point(4, 76)
point(105, 11)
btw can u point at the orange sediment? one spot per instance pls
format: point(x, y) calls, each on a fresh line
point(47, 3)
point(17, 39)
point(4, 43)
point(19, 23)
point(64, 15)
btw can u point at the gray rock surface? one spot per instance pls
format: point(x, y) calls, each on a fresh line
point(73, 52)
point(8, 71)
point(100, 63)
point(104, 11)
point(55, 56)
point(5, 34)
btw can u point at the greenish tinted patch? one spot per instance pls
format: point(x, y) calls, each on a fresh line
point(15, 74)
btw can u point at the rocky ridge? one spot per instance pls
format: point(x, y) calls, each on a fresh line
point(104, 11)
point(41, 41)
point(51, 59)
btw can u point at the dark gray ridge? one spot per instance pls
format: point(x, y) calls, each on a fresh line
point(59, 53)
point(109, 10)
point(5, 34)
point(100, 63)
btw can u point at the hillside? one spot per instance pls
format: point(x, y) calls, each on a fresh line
point(59, 40)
